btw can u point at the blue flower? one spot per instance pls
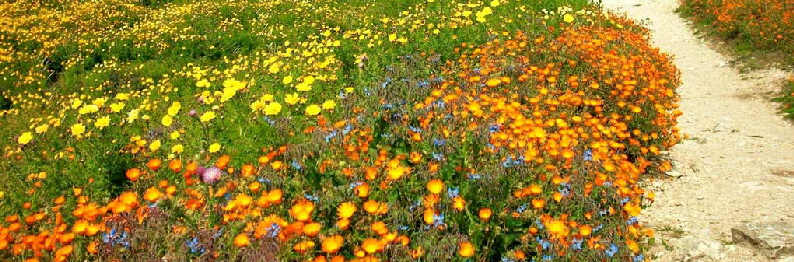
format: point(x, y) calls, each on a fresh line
point(438, 220)
point(438, 156)
point(415, 129)
point(599, 227)
point(504, 259)
point(113, 238)
point(494, 128)
point(612, 250)
point(522, 208)
point(355, 184)
point(624, 200)
point(296, 165)
point(263, 180)
point(577, 243)
point(194, 246)
point(543, 243)
point(402, 227)
point(269, 121)
point(367, 92)
point(414, 205)
point(453, 192)
point(439, 143)
point(330, 136)
point(588, 155)
point(217, 233)
point(312, 198)
point(475, 176)
point(632, 220)
point(273, 230)
point(347, 129)
point(423, 83)
point(639, 258)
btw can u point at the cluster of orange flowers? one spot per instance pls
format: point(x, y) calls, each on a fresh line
point(766, 24)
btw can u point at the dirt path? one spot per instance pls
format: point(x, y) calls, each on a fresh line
point(738, 164)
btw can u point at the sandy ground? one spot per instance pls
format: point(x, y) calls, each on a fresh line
point(738, 163)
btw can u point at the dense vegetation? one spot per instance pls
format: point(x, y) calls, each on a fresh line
point(328, 131)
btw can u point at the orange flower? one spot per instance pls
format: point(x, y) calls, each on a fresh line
point(557, 228)
point(371, 245)
point(223, 161)
point(154, 164)
point(485, 214)
point(152, 194)
point(175, 165)
point(458, 203)
point(312, 229)
point(466, 249)
point(332, 244)
point(346, 210)
point(375, 208)
point(242, 240)
point(362, 190)
point(435, 186)
point(248, 170)
point(379, 228)
point(302, 210)
point(303, 246)
point(343, 223)
point(132, 174)
point(585, 230)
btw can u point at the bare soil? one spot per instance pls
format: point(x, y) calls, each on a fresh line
point(737, 164)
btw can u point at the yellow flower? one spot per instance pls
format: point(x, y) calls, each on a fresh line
point(99, 102)
point(155, 145)
point(122, 96)
point(303, 87)
point(567, 18)
point(267, 98)
point(329, 104)
point(174, 108)
point(203, 83)
point(175, 135)
point(167, 120)
point(42, 128)
point(102, 122)
point(116, 107)
point(495, 3)
point(177, 149)
point(287, 80)
point(313, 110)
point(274, 68)
point(25, 138)
point(272, 108)
point(77, 129)
point(308, 80)
point(292, 99)
point(207, 116)
point(258, 105)
point(215, 148)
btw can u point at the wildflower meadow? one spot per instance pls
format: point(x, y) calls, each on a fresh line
point(329, 130)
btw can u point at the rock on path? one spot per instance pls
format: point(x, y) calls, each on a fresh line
point(737, 167)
